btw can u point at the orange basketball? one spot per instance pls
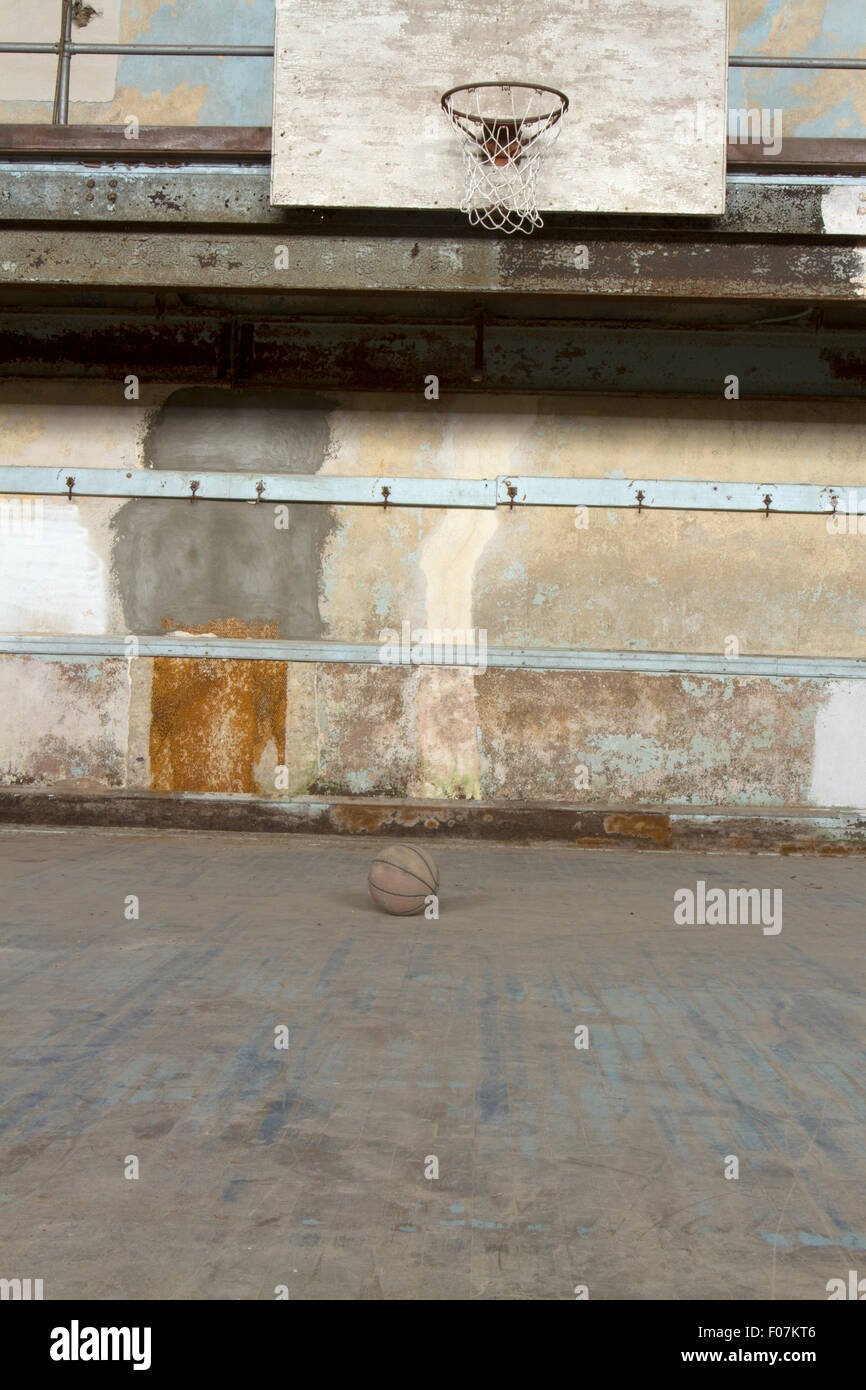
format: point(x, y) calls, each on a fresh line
point(401, 879)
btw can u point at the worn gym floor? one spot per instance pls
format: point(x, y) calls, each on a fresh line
point(308, 1171)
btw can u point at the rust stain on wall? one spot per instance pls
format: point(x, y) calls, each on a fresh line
point(640, 827)
point(217, 725)
point(814, 845)
point(364, 819)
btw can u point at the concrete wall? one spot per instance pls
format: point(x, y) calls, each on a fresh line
point(670, 581)
point(203, 91)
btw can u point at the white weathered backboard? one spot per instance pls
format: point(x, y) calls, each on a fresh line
point(357, 121)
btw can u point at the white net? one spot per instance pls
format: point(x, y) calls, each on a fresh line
point(505, 130)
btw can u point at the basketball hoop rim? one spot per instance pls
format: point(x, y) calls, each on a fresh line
point(540, 87)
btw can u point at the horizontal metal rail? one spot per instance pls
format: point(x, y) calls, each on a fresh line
point(675, 494)
point(179, 50)
point(470, 654)
point(250, 487)
point(66, 49)
point(264, 50)
point(236, 194)
point(671, 494)
point(759, 60)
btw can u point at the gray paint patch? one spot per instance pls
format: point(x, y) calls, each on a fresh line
point(209, 561)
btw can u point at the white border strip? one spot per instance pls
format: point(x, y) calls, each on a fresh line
point(368, 654)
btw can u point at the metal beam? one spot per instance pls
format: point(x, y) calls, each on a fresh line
point(237, 194)
point(132, 646)
point(166, 142)
point(250, 487)
point(230, 344)
point(506, 490)
point(673, 494)
point(691, 266)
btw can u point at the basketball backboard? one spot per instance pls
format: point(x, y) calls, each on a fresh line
point(358, 123)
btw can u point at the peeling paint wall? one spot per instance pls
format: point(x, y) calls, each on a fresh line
point(276, 729)
point(203, 91)
point(662, 581)
point(820, 104)
point(63, 723)
point(677, 581)
point(158, 90)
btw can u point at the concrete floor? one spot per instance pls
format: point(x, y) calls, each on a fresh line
point(409, 1038)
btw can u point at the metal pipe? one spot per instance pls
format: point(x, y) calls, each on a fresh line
point(758, 60)
point(192, 50)
point(60, 109)
point(185, 50)
point(66, 68)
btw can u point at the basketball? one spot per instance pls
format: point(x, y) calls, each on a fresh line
point(401, 879)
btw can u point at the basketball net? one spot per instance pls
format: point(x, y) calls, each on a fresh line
point(505, 130)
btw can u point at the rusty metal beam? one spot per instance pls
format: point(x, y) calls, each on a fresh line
point(799, 357)
point(172, 141)
point(800, 153)
point(237, 194)
point(694, 267)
